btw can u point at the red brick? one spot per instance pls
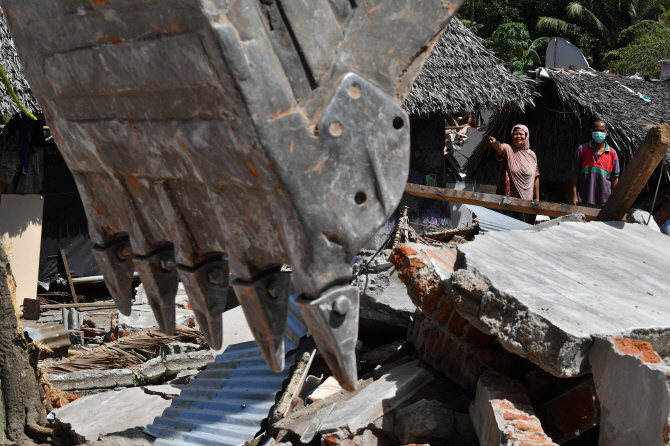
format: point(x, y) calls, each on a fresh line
point(446, 308)
point(477, 337)
point(513, 415)
point(638, 348)
point(400, 255)
point(332, 439)
point(413, 266)
point(430, 343)
point(457, 323)
point(433, 296)
point(523, 425)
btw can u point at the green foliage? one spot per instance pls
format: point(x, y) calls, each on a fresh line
point(510, 41)
point(650, 44)
point(601, 25)
point(489, 14)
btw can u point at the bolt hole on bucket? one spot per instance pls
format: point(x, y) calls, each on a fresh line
point(431, 180)
point(398, 123)
point(360, 198)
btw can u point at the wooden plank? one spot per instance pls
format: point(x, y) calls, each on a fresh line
point(638, 172)
point(21, 235)
point(68, 277)
point(78, 305)
point(500, 202)
point(662, 215)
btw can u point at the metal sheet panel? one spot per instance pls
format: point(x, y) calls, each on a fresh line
point(490, 220)
point(53, 335)
point(225, 404)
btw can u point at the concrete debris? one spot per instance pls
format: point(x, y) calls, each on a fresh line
point(424, 422)
point(633, 386)
point(329, 387)
point(87, 418)
point(92, 379)
point(167, 391)
point(376, 399)
point(521, 287)
point(73, 319)
point(575, 218)
point(168, 367)
point(503, 416)
point(54, 339)
point(641, 217)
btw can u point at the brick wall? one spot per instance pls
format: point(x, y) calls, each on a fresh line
point(441, 335)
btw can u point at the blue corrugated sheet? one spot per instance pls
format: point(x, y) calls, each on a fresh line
point(226, 403)
point(490, 220)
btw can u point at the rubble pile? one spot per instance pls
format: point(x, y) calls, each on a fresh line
point(487, 342)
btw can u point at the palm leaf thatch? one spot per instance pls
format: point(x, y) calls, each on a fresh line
point(561, 120)
point(460, 74)
point(10, 63)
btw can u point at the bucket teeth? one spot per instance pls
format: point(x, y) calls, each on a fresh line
point(333, 321)
point(158, 273)
point(265, 303)
point(207, 289)
point(115, 262)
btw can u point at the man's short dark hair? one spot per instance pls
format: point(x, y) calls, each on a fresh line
point(593, 124)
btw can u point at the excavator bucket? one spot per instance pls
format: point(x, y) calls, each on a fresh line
point(217, 138)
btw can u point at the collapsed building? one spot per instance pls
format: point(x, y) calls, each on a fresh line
point(501, 338)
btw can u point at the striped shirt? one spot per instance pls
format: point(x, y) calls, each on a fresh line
point(596, 173)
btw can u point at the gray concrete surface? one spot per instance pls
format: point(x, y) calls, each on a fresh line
point(634, 397)
point(110, 412)
point(546, 294)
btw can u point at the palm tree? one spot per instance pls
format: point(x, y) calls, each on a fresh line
point(607, 19)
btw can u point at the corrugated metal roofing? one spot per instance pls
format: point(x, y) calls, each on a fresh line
point(226, 403)
point(490, 220)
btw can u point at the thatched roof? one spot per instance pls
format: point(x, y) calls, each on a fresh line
point(10, 63)
point(560, 121)
point(460, 74)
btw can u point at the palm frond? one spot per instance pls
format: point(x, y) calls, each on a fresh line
point(578, 11)
point(551, 24)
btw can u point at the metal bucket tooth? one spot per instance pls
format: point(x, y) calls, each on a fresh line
point(207, 289)
point(115, 262)
point(161, 281)
point(333, 321)
point(265, 303)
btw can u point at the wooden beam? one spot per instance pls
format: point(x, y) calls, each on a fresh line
point(500, 202)
point(637, 173)
point(68, 277)
point(662, 215)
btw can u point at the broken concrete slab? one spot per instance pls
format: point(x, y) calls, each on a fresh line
point(424, 422)
point(167, 391)
point(377, 399)
point(169, 366)
point(502, 414)
point(546, 294)
point(104, 413)
point(92, 379)
point(633, 386)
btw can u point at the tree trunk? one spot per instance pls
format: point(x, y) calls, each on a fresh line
point(21, 391)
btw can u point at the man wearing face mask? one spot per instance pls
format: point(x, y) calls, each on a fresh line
point(595, 169)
